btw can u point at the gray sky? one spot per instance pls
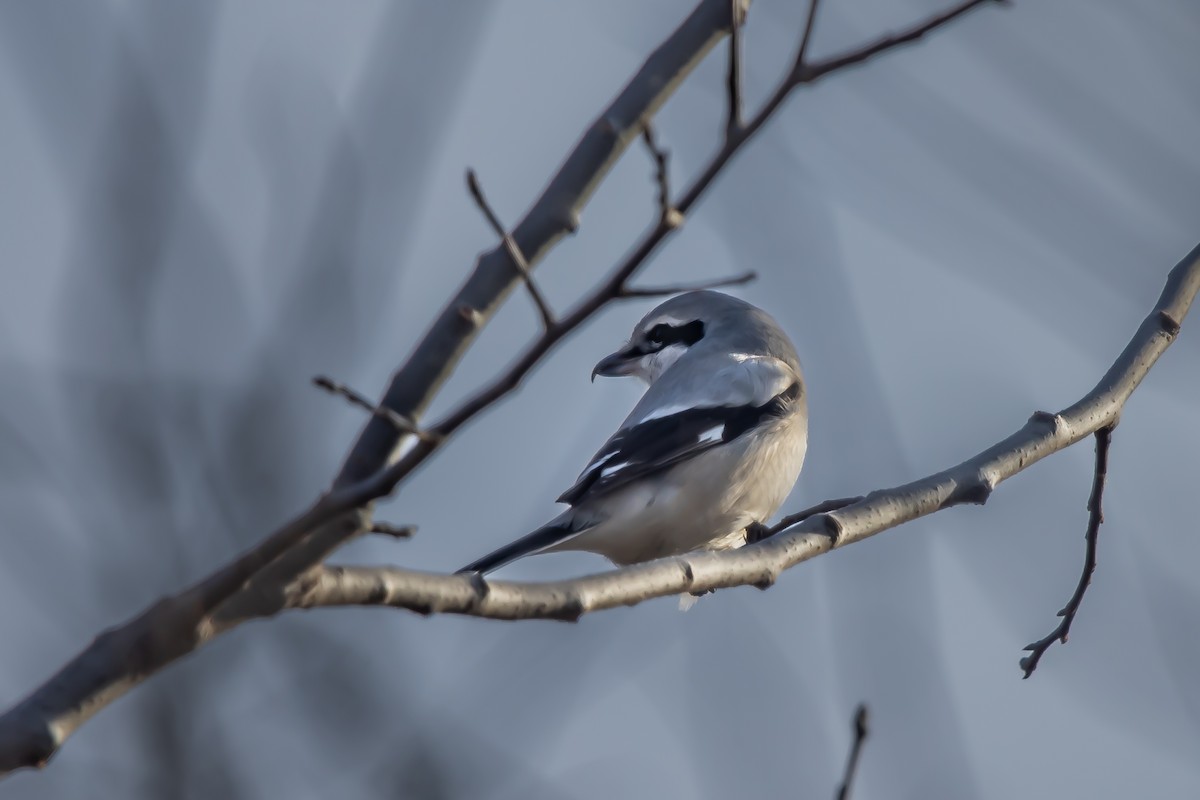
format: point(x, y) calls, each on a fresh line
point(203, 205)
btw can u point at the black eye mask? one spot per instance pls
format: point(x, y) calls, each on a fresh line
point(663, 335)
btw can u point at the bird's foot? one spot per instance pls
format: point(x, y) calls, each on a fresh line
point(756, 532)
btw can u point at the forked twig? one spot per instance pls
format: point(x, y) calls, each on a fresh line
point(668, 215)
point(400, 422)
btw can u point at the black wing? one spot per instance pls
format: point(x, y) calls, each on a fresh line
point(656, 444)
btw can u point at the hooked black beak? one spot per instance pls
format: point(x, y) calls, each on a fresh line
point(619, 363)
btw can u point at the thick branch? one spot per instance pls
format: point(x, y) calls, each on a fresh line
point(760, 564)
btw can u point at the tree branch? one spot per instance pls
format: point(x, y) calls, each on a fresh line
point(400, 423)
point(806, 39)
point(283, 570)
point(760, 564)
point(678, 288)
point(514, 251)
point(1095, 517)
point(668, 216)
point(803, 72)
point(860, 737)
point(394, 531)
point(733, 82)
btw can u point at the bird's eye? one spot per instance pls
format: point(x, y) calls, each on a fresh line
point(659, 334)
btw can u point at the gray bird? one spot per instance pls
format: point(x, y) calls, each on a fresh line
point(707, 455)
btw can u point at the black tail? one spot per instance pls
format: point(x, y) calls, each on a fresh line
point(527, 545)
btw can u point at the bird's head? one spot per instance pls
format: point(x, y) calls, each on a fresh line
point(683, 324)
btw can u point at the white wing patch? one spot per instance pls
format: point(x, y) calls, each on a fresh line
point(600, 459)
point(656, 413)
point(614, 469)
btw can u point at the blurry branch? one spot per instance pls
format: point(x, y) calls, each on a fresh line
point(284, 570)
point(400, 423)
point(394, 531)
point(733, 121)
point(860, 736)
point(1095, 517)
point(514, 252)
point(760, 564)
point(668, 216)
point(662, 291)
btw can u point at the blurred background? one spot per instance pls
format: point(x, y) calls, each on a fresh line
point(202, 205)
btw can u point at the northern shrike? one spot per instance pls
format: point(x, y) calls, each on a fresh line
point(709, 452)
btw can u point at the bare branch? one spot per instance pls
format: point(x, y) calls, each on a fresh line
point(1095, 517)
point(809, 21)
point(733, 124)
point(664, 291)
point(354, 398)
point(820, 508)
point(395, 531)
point(860, 737)
point(760, 564)
point(805, 73)
point(668, 216)
point(514, 252)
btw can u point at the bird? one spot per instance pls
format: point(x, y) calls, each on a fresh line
point(706, 456)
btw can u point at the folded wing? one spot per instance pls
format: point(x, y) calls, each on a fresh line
point(676, 422)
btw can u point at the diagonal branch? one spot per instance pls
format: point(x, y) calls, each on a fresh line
point(1095, 517)
point(860, 737)
point(760, 564)
point(668, 216)
point(514, 252)
point(678, 288)
point(355, 399)
point(394, 531)
point(806, 39)
point(807, 73)
point(733, 81)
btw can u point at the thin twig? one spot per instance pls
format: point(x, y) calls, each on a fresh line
point(733, 124)
point(812, 511)
point(668, 216)
point(806, 73)
point(1095, 517)
point(400, 422)
point(679, 288)
point(860, 736)
point(802, 53)
point(394, 531)
point(514, 251)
